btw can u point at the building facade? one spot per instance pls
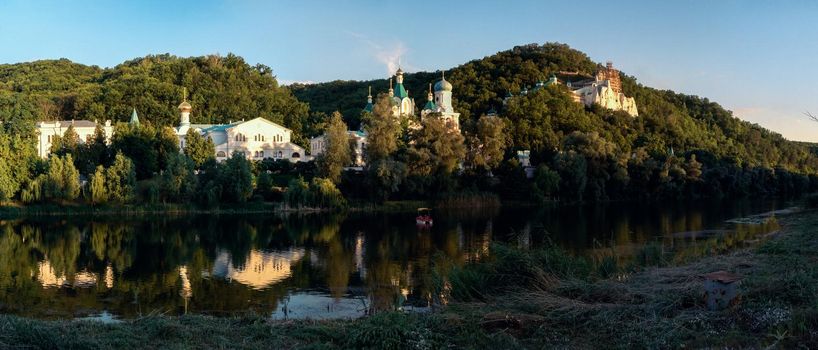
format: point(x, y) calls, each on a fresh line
point(603, 89)
point(255, 139)
point(318, 145)
point(48, 131)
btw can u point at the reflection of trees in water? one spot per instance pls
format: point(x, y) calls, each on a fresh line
point(170, 263)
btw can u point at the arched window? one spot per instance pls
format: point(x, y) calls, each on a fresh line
point(220, 154)
point(240, 138)
point(296, 155)
point(279, 154)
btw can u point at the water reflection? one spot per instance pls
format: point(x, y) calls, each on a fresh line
point(315, 266)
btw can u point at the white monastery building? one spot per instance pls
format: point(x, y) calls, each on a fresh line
point(256, 139)
point(48, 131)
point(603, 89)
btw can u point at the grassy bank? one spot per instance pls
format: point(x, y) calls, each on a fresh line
point(524, 299)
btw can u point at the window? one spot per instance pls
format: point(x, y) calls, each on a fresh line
point(296, 155)
point(279, 155)
point(240, 138)
point(220, 154)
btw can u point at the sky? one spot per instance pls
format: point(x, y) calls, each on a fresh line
point(756, 58)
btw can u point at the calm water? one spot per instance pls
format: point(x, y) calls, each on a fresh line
point(317, 266)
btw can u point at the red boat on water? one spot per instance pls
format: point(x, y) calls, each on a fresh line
point(424, 218)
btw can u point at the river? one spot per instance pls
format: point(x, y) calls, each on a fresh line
point(319, 265)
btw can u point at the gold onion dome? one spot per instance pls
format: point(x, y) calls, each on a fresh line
point(185, 106)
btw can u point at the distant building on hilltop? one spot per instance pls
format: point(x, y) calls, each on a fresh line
point(603, 89)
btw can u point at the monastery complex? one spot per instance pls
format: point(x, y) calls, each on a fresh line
point(260, 138)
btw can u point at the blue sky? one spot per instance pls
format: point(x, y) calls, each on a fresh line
point(759, 59)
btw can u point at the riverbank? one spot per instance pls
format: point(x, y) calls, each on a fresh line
point(524, 299)
point(19, 210)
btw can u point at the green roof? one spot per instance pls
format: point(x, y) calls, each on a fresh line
point(430, 105)
point(400, 91)
point(369, 107)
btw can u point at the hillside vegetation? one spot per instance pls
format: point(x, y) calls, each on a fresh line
point(678, 146)
point(678, 143)
point(221, 88)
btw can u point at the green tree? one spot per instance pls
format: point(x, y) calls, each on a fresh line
point(436, 148)
point(138, 145)
point(297, 194)
point(62, 180)
point(573, 170)
point(546, 183)
point(337, 153)
point(382, 130)
point(324, 194)
point(167, 145)
point(488, 144)
point(97, 151)
point(693, 168)
point(179, 179)
point(198, 148)
point(120, 179)
point(237, 179)
point(98, 189)
point(70, 141)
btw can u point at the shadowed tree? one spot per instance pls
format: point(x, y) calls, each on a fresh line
point(487, 146)
point(337, 153)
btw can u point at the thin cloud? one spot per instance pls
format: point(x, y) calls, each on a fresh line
point(291, 82)
point(391, 55)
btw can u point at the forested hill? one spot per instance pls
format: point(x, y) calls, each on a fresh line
point(668, 122)
point(220, 88)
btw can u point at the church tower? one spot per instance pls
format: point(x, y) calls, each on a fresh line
point(369, 105)
point(430, 106)
point(443, 95)
point(184, 110)
point(443, 100)
point(401, 97)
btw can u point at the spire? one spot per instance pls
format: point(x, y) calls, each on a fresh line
point(430, 103)
point(369, 105)
point(134, 119)
point(391, 90)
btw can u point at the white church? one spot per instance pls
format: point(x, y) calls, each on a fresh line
point(438, 103)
